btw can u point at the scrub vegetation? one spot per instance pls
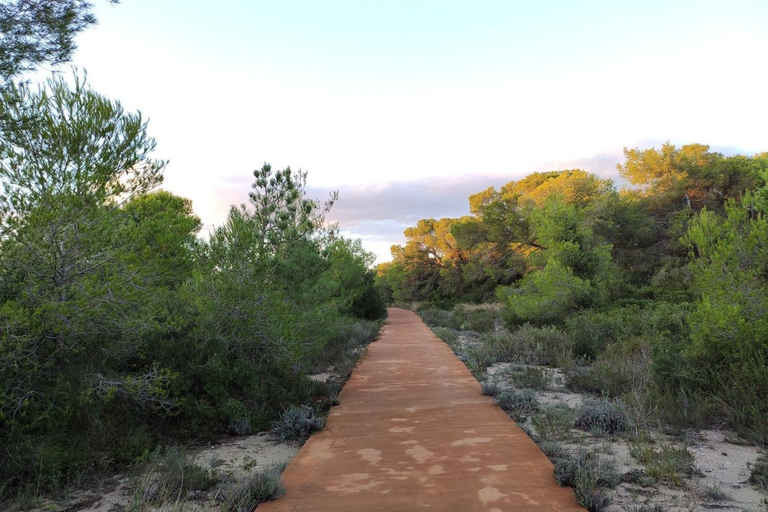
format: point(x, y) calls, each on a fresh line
point(121, 330)
point(642, 310)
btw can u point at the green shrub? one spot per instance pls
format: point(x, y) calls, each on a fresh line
point(714, 493)
point(297, 423)
point(644, 508)
point(490, 388)
point(518, 402)
point(594, 330)
point(449, 336)
point(474, 318)
point(625, 366)
point(589, 476)
point(554, 422)
point(171, 475)
point(664, 462)
point(603, 416)
point(554, 450)
point(435, 317)
point(528, 345)
point(532, 377)
point(255, 489)
point(758, 473)
point(549, 296)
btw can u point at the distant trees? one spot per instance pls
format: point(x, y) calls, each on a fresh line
point(684, 248)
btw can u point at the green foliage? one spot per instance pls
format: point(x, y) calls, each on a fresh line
point(532, 377)
point(589, 476)
point(554, 423)
point(603, 416)
point(520, 403)
point(664, 462)
point(549, 296)
point(729, 331)
point(758, 472)
point(120, 326)
point(171, 475)
point(528, 345)
point(258, 488)
point(39, 32)
point(297, 423)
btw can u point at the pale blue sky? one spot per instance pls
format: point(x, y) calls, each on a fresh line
point(381, 98)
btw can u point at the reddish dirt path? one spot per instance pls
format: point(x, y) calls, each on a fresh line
point(414, 432)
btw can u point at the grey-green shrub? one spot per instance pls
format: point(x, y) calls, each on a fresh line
point(297, 423)
point(527, 345)
point(260, 487)
point(589, 476)
point(170, 475)
point(609, 417)
point(518, 402)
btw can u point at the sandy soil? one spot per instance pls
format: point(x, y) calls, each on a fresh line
point(719, 463)
point(231, 458)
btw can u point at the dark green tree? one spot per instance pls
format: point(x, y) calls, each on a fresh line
point(38, 32)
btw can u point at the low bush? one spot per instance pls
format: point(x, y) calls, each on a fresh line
point(758, 473)
point(435, 317)
point(554, 450)
point(518, 402)
point(255, 489)
point(474, 318)
point(533, 377)
point(589, 476)
point(554, 422)
point(449, 336)
point(170, 475)
point(714, 493)
point(624, 367)
point(603, 416)
point(528, 345)
point(665, 462)
point(548, 296)
point(490, 388)
point(297, 423)
point(644, 508)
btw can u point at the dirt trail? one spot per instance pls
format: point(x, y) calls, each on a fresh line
point(414, 432)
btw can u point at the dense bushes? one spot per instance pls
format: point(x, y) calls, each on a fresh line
point(656, 295)
point(119, 327)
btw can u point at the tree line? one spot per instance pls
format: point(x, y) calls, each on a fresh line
point(672, 265)
point(120, 327)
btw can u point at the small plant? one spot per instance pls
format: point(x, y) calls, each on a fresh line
point(297, 423)
point(589, 476)
point(541, 346)
point(171, 475)
point(758, 473)
point(532, 377)
point(666, 463)
point(554, 450)
point(639, 477)
point(714, 493)
point(554, 422)
point(449, 336)
point(490, 388)
point(604, 417)
point(255, 489)
point(476, 319)
point(518, 402)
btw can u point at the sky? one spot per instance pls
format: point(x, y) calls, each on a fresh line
point(408, 107)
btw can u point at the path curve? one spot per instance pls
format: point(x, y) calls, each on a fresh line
point(413, 432)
